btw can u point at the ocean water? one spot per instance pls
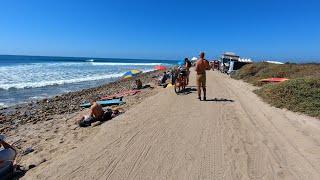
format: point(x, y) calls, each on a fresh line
point(28, 78)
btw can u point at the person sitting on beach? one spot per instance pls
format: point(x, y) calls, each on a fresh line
point(7, 159)
point(138, 84)
point(97, 114)
point(163, 79)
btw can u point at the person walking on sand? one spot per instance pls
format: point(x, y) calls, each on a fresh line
point(201, 66)
point(187, 65)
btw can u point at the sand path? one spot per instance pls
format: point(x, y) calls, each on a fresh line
point(171, 136)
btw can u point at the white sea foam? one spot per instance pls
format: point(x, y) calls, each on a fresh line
point(2, 105)
point(37, 97)
point(51, 78)
point(57, 82)
point(45, 74)
point(123, 64)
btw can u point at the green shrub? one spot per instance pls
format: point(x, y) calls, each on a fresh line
point(253, 73)
point(299, 95)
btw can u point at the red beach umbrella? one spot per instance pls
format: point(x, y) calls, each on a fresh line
point(158, 67)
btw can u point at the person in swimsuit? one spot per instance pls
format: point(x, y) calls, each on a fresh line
point(8, 153)
point(7, 159)
point(97, 114)
point(138, 84)
point(174, 75)
point(187, 65)
point(201, 66)
point(163, 79)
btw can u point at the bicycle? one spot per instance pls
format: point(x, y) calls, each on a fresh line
point(180, 82)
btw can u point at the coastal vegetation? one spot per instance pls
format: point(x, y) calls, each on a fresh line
point(301, 93)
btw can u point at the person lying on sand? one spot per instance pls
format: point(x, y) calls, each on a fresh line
point(7, 159)
point(97, 114)
point(8, 153)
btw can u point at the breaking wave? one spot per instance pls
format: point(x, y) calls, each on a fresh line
point(57, 82)
point(123, 64)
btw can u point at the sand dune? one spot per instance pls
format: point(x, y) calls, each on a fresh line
point(167, 136)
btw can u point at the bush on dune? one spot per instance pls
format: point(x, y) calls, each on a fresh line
point(299, 95)
point(252, 73)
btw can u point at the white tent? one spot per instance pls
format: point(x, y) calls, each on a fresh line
point(274, 62)
point(194, 59)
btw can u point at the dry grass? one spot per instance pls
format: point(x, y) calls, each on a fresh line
point(300, 94)
point(252, 73)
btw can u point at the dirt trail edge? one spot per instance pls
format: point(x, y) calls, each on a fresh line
point(234, 135)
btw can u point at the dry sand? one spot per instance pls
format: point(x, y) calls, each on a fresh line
point(49, 138)
point(170, 136)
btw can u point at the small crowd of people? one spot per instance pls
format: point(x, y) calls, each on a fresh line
point(173, 74)
point(201, 66)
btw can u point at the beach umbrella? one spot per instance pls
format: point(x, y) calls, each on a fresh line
point(158, 67)
point(131, 73)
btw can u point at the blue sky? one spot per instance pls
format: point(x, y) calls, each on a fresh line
point(161, 29)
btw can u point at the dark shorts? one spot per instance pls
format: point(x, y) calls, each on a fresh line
point(6, 170)
point(7, 154)
point(184, 73)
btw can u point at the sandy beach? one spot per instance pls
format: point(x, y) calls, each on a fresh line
point(44, 129)
point(233, 135)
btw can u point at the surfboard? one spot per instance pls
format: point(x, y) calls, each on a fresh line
point(105, 103)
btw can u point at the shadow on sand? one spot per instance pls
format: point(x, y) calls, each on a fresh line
point(187, 91)
point(220, 100)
